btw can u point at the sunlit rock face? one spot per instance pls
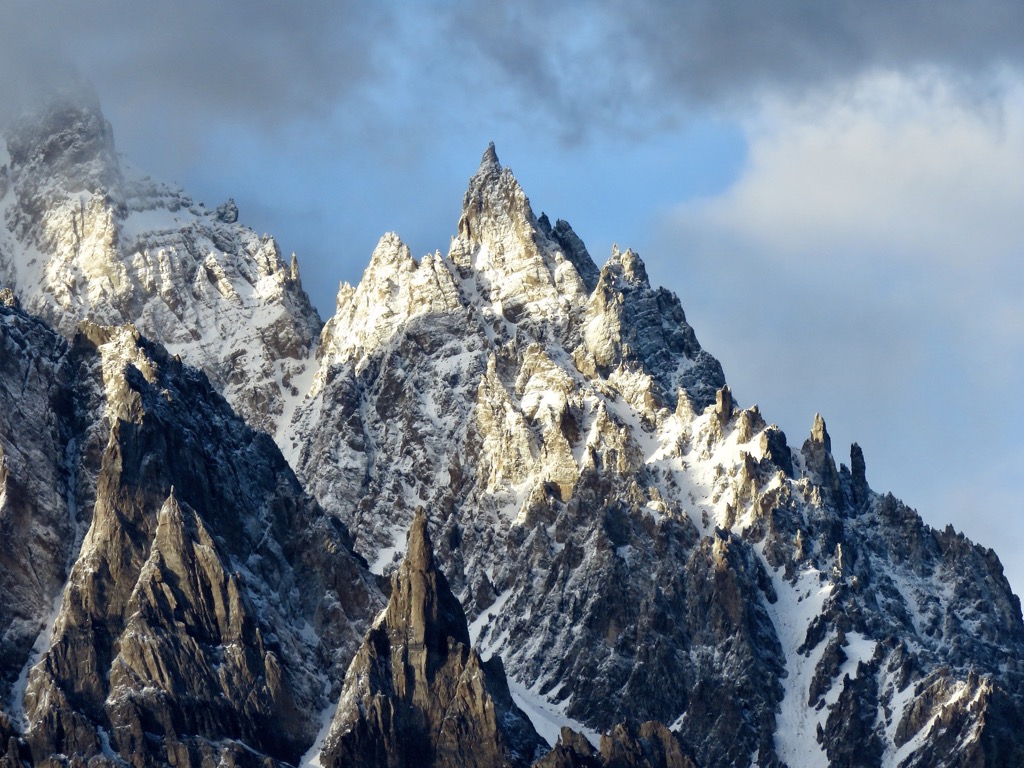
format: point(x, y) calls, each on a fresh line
point(85, 239)
point(630, 541)
point(662, 577)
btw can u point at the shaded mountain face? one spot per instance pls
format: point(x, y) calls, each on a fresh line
point(171, 593)
point(653, 565)
point(416, 694)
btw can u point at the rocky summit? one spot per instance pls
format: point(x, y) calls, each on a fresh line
point(211, 550)
point(416, 693)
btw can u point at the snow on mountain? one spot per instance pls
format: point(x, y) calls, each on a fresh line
point(632, 543)
point(86, 239)
point(626, 538)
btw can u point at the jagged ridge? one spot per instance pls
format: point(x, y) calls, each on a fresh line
point(200, 605)
point(630, 541)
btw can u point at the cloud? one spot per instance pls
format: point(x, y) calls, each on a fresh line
point(618, 65)
point(894, 162)
point(711, 47)
point(391, 72)
point(867, 264)
point(896, 178)
point(193, 61)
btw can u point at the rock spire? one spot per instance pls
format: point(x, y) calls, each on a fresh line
point(417, 694)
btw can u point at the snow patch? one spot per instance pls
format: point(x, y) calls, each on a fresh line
point(293, 396)
point(39, 648)
point(548, 718)
point(386, 555)
point(312, 757)
point(796, 726)
point(482, 622)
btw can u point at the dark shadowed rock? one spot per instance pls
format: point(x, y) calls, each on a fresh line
point(627, 745)
point(817, 453)
point(188, 602)
point(573, 248)
point(417, 694)
point(859, 481)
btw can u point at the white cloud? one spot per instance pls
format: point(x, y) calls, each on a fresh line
point(905, 165)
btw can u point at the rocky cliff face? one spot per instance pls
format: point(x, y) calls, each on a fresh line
point(629, 543)
point(187, 601)
point(38, 514)
point(417, 694)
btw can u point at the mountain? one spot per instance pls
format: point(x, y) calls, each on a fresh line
point(171, 593)
point(416, 693)
point(629, 540)
point(86, 239)
point(616, 549)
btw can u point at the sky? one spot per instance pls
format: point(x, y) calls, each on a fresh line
point(834, 190)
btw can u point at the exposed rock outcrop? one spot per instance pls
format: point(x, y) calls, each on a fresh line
point(416, 693)
point(187, 601)
point(648, 745)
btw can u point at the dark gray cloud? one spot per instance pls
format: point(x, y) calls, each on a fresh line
point(571, 69)
point(713, 47)
point(192, 61)
point(630, 64)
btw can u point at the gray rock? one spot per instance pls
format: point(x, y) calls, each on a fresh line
point(227, 212)
point(416, 694)
point(210, 606)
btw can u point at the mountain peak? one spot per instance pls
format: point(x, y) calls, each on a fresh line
point(64, 139)
point(627, 266)
point(84, 241)
point(416, 693)
point(819, 433)
point(521, 267)
point(489, 163)
point(421, 601)
point(419, 556)
point(492, 198)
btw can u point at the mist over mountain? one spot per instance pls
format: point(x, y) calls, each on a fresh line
point(502, 508)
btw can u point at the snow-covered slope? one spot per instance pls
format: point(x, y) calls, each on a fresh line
point(630, 541)
point(85, 239)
